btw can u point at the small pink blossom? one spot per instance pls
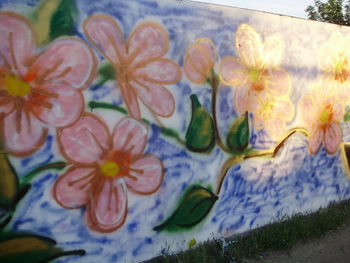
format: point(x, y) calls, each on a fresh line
point(199, 60)
point(141, 70)
point(103, 167)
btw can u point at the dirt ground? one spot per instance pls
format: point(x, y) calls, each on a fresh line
point(333, 248)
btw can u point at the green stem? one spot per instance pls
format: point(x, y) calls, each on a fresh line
point(29, 176)
point(214, 82)
point(163, 130)
point(101, 81)
point(104, 105)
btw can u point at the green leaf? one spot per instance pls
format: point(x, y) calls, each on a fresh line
point(200, 135)
point(195, 205)
point(107, 71)
point(63, 20)
point(28, 248)
point(9, 184)
point(347, 116)
point(238, 137)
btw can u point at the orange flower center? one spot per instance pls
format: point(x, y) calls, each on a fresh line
point(326, 115)
point(15, 86)
point(341, 70)
point(110, 169)
point(256, 77)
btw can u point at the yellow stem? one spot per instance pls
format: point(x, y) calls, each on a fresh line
point(235, 159)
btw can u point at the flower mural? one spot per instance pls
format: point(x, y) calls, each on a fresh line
point(103, 167)
point(38, 90)
point(140, 67)
point(256, 74)
point(321, 112)
point(205, 165)
point(199, 60)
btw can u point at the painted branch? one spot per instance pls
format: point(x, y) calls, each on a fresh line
point(29, 176)
point(235, 159)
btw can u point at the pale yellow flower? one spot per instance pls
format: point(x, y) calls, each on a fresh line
point(334, 61)
point(257, 78)
point(321, 112)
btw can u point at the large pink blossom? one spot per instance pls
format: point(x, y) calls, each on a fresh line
point(103, 167)
point(141, 70)
point(38, 90)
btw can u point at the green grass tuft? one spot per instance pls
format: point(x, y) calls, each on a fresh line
point(279, 235)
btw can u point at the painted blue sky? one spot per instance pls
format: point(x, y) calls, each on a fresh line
point(285, 7)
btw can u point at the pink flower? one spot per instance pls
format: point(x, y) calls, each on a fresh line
point(256, 74)
point(103, 166)
point(140, 68)
point(199, 60)
point(38, 89)
point(321, 112)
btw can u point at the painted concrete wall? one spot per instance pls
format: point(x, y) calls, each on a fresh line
point(131, 128)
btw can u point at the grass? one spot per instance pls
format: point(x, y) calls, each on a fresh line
point(280, 235)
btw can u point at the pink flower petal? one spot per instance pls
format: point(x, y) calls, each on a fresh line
point(147, 41)
point(23, 133)
point(130, 136)
point(199, 60)
point(17, 43)
point(332, 138)
point(147, 174)
point(276, 128)
point(156, 97)
point(130, 99)
point(86, 141)
point(207, 48)
point(162, 71)
point(241, 99)
point(73, 188)
point(66, 108)
point(284, 108)
point(249, 46)
point(66, 59)
point(7, 107)
point(105, 34)
point(337, 109)
point(192, 72)
point(232, 72)
point(315, 139)
point(108, 208)
point(307, 106)
point(279, 82)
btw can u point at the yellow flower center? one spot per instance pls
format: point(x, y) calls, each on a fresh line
point(110, 169)
point(254, 75)
point(15, 86)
